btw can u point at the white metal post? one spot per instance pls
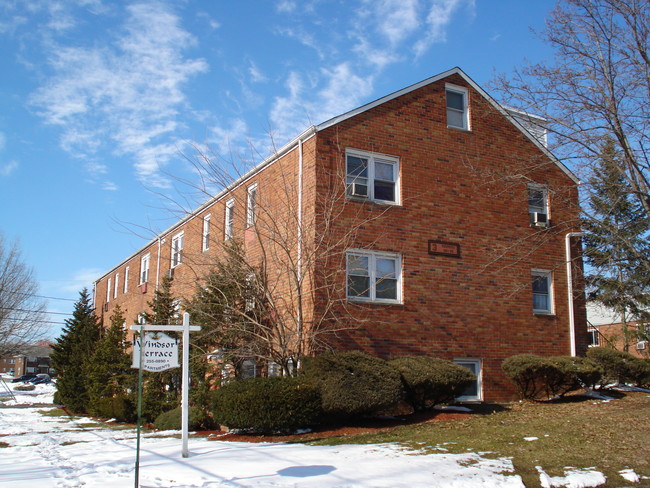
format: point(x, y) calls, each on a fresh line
point(186, 383)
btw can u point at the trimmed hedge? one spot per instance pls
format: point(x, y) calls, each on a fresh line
point(430, 381)
point(267, 405)
point(353, 384)
point(198, 419)
point(120, 408)
point(620, 367)
point(537, 377)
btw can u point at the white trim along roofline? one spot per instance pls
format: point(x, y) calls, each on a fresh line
point(312, 130)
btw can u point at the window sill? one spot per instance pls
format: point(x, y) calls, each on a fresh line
point(376, 202)
point(374, 302)
point(461, 129)
point(543, 313)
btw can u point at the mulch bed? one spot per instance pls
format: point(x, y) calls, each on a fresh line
point(369, 426)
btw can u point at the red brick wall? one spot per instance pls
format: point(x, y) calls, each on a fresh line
point(468, 188)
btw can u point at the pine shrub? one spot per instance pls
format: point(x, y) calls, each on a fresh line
point(571, 373)
point(198, 419)
point(616, 365)
point(639, 372)
point(353, 383)
point(430, 381)
point(531, 374)
point(120, 408)
point(267, 405)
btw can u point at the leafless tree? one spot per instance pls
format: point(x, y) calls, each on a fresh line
point(22, 311)
point(596, 88)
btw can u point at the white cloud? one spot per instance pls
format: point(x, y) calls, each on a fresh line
point(127, 94)
point(256, 74)
point(286, 6)
point(438, 20)
point(8, 168)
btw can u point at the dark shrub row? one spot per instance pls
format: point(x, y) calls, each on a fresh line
point(337, 386)
point(620, 367)
point(538, 377)
point(198, 419)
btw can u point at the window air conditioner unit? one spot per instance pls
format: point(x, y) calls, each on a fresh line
point(143, 287)
point(641, 345)
point(539, 219)
point(358, 190)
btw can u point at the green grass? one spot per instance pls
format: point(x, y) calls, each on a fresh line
point(579, 432)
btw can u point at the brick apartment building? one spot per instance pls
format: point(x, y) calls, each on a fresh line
point(431, 221)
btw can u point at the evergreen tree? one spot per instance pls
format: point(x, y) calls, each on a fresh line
point(615, 243)
point(112, 380)
point(71, 353)
point(161, 390)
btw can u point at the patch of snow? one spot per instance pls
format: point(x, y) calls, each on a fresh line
point(531, 438)
point(59, 451)
point(598, 395)
point(630, 388)
point(573, 478)
point(629, 475)
point(455, 408)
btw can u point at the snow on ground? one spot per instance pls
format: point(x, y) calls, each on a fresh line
point(55, 451)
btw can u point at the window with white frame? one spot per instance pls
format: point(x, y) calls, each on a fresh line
point(474, 391)
point(177, 249)
point(206, 233)
point(542, 291)
point(594, 337)
point(457, 107)
point(248, 369)
point(229, 224)
point(126, 279)
point(374, 276)
point(144, 268)
point(109, 286)
point(117, 285)
point(372, 176)
point(538, 205)
point(251, 205)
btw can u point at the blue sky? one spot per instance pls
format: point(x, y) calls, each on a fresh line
point(101, 100)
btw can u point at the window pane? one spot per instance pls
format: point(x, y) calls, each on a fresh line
point(540, 302)
point(357, 265)
point(536, 199)
point(358, 286)
point(357, 166)
point(385, 268)
point(357, 187)
point(384, 191)
point(386, 289)
point(384, 171)
point(455, 119)
point(455, 100)
point(540, 284)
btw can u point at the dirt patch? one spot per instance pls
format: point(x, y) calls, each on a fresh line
point(368, 426)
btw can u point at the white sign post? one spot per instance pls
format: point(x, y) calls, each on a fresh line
point(159, 354)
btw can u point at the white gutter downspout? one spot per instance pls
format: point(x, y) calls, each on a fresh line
point(299, 257)
point(569, 274)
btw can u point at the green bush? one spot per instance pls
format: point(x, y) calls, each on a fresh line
point(120, 408)
point(24, 387)
point(267, 405)
point(353, 383)
point(639, 372)
point(617, 366)
point(430, 381)
point(198, 419)
point(571, 373)
point(530, 374)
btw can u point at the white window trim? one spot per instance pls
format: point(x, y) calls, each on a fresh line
point(109, 287)
point(465, 93)
point(251, 205)
point(205, 234)
point(372, 158)
point(126, 279)
point(229, 219)
point(551, 302)
point(145, 262)
point(177, 250)
point(479, 379)
point(373, 255)
point(117, 285)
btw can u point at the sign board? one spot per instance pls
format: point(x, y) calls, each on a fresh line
point(441, 248)
point(160, 352)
